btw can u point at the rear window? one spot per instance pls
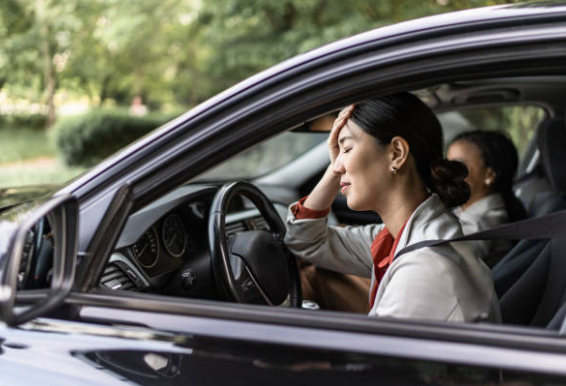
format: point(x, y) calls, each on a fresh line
point(520, 122)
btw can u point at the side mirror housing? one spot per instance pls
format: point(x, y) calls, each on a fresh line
point(38, 266)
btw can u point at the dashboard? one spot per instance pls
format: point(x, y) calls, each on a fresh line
point(164, 246)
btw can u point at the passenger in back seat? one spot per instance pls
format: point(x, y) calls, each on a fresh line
point(492, 161)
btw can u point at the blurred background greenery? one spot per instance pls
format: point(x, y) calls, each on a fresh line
point(77, 75)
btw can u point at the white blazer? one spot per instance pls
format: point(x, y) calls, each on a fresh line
point(484, 214)
point(447, 282)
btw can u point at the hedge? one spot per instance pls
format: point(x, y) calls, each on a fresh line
point(87, 139)
point(34, 121)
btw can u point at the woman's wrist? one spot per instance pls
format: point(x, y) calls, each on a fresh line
point(324, 192)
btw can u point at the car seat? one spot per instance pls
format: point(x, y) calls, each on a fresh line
point(537, 296)
point(551, 139)
point(543, 190)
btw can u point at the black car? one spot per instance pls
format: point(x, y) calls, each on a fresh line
point(123, 276)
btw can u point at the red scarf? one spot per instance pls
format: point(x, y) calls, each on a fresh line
point(383, 252)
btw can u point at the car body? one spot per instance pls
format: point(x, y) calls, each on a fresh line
point(83, 329)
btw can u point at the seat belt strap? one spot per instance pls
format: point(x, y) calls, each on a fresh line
point(549, 226)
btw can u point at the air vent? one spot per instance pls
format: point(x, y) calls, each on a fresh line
point(235, 228)
point(116, 279)
point(259, 223)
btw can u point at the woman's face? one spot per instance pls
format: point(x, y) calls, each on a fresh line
point(363, 166)
point(480, 178)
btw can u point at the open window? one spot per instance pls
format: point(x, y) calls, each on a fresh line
point(163, 248)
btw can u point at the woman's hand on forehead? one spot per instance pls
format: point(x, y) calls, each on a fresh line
point(333, 145)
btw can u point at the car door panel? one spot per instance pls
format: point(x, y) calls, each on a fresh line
point(300, 354)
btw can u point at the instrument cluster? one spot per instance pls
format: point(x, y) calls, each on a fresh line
point(164, 244)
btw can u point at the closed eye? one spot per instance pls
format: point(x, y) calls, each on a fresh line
point(347, 150)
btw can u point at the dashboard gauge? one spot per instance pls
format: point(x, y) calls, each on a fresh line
point(146, 249)
point(174, 236)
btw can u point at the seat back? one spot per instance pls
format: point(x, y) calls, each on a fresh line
point(514, 264)
point(551, 139)
point(537, 296)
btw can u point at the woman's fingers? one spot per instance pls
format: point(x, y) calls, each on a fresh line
point(339, 123)
point(347, 111)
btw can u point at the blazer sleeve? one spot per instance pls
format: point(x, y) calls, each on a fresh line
point(342, 249)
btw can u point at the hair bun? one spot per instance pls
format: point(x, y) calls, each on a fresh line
point(448, 180)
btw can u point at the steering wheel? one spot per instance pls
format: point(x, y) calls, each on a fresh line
point(252, 266)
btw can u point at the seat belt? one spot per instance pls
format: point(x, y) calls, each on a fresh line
point(549, 226)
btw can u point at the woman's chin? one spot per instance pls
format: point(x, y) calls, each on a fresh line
point(357, 206)
point(352, 204)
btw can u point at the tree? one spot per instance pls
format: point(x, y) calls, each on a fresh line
point(36, 42)
point(12, 21)
point(247, 36)
point(133, 49)
point(173, 52)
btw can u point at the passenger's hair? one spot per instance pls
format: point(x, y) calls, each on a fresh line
point(405, 115)
point(498, 153)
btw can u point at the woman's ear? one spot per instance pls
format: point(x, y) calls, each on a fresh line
point(490, 176)
point(399, 152)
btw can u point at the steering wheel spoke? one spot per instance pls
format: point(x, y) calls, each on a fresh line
point(244, 280)
point(252, 291)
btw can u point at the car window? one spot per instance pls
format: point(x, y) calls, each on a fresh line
point(520, 122)
point(267, 156)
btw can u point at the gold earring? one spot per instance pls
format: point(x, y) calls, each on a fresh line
point(393, 169)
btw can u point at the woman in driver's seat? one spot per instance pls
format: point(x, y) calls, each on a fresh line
point(386, 156)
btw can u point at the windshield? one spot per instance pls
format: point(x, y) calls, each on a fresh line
point(266, 157)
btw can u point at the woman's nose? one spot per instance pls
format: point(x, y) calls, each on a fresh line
point(338, 165)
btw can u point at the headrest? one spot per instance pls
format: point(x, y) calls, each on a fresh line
point(551, 138)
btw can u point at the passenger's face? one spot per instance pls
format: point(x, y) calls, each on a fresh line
point(363, 166)
point(480, 178)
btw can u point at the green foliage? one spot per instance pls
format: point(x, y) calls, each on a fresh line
point(519, 122)
point(87, 139)
point(21, 143)
point(26, 158)
point(247, 36)
point(41, 172)
point(173, 52)
point(33, 121)
point(169, 52)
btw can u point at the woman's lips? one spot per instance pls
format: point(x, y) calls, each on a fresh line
point(344, 186)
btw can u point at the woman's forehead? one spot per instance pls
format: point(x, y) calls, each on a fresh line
point(350, 130)
point(465, 147)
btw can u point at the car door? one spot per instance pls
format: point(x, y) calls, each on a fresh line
point(244, 345)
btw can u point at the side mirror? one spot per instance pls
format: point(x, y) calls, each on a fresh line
point(37, 269)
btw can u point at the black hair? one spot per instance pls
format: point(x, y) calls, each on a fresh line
point(498, 153)
point(403, 114)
